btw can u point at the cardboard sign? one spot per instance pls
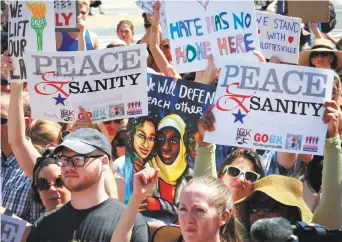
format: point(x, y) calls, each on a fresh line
point(165, 139)
point(31, 26)
point(110, 84)
point(314, 11)
point(146, 5)
point(12, 230)
point(66, 12)
point(225, 29)
point(279, 36)
point(271, 107)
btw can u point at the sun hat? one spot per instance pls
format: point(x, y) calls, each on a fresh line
point(319, 45)
point(83, 141)
point(168, 234)
point(285, 190)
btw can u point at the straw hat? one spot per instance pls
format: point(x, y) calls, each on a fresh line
point(319, 45)
point(285, 190)
point(168, 234)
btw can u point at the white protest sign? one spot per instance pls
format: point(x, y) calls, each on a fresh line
point(12, 230)
point(31, 26)
point(66, 12)
point(109, 84)
point(146, 6)
point(198, 29)
point(279, 36)
point(272, 107)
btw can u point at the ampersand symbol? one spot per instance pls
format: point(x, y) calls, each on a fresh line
point(41, 87)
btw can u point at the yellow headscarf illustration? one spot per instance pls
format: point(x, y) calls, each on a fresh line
point(171, 173)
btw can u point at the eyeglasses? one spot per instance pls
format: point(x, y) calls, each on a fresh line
point(119, 142)
point(117, 121)
point(164, 46)
point(77, 160)
point(4, 120)
point(233, 171)
point(269, 206)
point(322, 54)
point(43, 184)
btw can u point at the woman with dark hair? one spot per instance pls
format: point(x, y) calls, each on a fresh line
point(190, 144)
point(139, 149)
point(47, 184)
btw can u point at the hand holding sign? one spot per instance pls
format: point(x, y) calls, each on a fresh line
point(6, 65)
point(205, 123)
point(85, 123)
point(332, 113)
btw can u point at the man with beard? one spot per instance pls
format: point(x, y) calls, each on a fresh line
point(90, 215)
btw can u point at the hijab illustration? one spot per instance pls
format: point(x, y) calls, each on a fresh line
point(174, 172)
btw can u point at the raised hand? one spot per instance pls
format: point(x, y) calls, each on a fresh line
point(85, 123)
point(144, 182)
point(332, 113)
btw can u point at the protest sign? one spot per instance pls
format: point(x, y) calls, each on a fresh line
point(12, 230)
point(66, 12)
point(165, 139)
point(279, 36)
point(146, 6)
point(109, 84)
point(198, 29)
point(271, 106)
point(31, 26)
point(309, 11)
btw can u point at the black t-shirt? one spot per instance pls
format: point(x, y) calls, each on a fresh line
point(95, 224)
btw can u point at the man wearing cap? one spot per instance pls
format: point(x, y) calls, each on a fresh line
point(90, 215)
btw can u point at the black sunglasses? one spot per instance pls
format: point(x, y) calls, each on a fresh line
point(117, 121)
point(269, 206)
point(322, 54)
point(76, 161)
point(113, 46)
point(119, 142)
point(43, 184)
point(4, 120)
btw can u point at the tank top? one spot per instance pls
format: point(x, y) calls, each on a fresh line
point(70, 44)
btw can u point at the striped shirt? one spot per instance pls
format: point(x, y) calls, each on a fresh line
point(15, 190)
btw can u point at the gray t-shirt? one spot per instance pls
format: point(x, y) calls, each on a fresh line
point(95, 224)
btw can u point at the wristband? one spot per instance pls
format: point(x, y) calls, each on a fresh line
point(8, 213)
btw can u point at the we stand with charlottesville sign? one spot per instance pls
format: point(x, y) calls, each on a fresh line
point(110, 84)
point(271, 106)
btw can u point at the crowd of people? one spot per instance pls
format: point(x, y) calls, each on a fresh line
point(67, 180)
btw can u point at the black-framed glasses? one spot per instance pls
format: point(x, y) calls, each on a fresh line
point(43, 184)
point(4, 120)
point(165, 46)
point(315, 54)
point(119, 142)
point(113, 46)
point(269, 205)
point(116, 121)
point(76, 160)
point(233, 171)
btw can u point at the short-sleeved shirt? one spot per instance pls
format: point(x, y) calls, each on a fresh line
point(15, 190)
point(94, 224)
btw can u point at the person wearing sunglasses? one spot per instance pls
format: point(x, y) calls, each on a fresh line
point(47, 184)
point(117, 43)
point(240, 171)
point(323, 54)
point(91, 215)
point(118, 143)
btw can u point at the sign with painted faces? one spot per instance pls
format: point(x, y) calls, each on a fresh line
point(197, 30)
point(271, 107)
point(110, 84)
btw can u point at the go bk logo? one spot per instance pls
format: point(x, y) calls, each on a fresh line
point(270, 139)
point(96, 114)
